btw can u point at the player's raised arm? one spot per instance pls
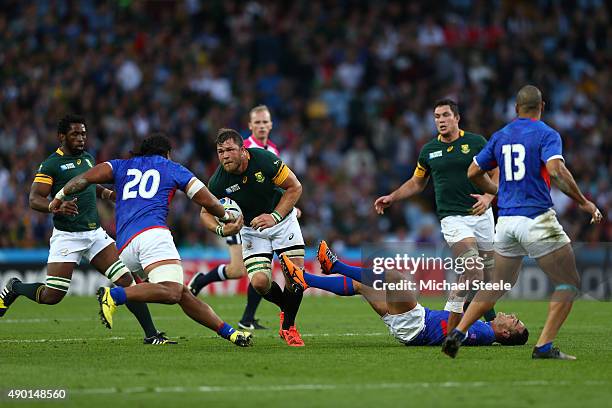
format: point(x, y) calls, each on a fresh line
point(414, 185)
point(563, 179)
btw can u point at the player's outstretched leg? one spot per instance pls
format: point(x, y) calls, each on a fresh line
point(8, 296)
point(206, 316)
point(331, 264)
point(108, 263)
point(169, 292)
point(340, 285)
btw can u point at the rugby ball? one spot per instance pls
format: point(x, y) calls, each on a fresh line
point(231, 207)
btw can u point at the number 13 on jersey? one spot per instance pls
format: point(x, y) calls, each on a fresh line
point(514, 161)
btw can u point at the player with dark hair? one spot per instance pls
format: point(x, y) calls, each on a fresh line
point(408, 321)
point(529, 154)
point(266, 190)
point(145, 185)
point(464, 211)
point(77, 232)
point(260, 123)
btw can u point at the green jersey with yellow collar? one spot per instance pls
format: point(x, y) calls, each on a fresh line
point(56, 170)
point(447, 164)
point(256, 190)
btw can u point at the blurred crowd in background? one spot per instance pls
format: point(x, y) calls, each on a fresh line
point(350, 84)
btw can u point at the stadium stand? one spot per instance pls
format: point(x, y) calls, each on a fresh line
point(350, 85)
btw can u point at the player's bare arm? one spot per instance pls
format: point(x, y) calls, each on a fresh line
point(100, 174)
point(39, 202)
point(201, 195)
point(226, 229)
point(563, 179)
point(483, 201)
point(293, 191)
point(413, 186)
point(481, 179)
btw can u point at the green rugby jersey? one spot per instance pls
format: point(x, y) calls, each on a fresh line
point(447, 163)
point(56, 170)
point(256, 190)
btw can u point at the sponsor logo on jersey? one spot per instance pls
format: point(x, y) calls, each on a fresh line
point(433, 155)
point(67, 166)
point(276, 162)
point(89, 163)
point(232, 189)
point(244, 179)
point(290, 237)
point(259, 177)
point(450, 149)
point(78, 162)
point(465, 149)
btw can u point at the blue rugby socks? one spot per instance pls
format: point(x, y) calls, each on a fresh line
point(353, 272)
point(340, 285)
point(118, 295)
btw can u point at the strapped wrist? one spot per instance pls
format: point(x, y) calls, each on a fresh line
point(277, 217)
point(60, 194)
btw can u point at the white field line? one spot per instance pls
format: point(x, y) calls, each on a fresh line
point(60, 340)
point(324, 387)
point(268, 335)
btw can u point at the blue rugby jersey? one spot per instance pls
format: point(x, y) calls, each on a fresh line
point(435, 331)
point(521, 150)
point(145, 186)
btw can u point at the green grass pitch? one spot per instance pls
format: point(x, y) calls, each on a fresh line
point(349, 360)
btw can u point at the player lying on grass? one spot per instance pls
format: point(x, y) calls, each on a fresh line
point(408, 321)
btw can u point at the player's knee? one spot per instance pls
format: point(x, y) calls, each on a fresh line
point(259, 269)
point(261, 283)
point(174, 292)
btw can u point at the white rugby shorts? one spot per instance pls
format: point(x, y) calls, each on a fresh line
point(68, 246)
point(456, 228)
point(406, 326)
point(519, 236)
point(283, 235)
point(148, 247)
